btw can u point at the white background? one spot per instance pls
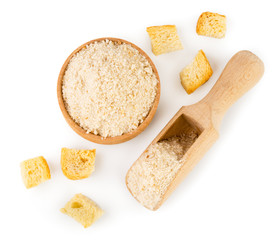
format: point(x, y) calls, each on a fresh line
point(232, 193)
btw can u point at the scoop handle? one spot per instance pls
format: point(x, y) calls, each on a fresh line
point(240, 74)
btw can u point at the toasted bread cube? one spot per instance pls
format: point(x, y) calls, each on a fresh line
point(211, 25)
point(164, 39)
point(83, 210)
point(196, 73)
point(34, 171)
point(77, 164)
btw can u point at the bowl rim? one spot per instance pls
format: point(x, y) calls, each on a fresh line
point(97, 138)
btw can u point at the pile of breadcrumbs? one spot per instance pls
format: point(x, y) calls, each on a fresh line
point(109, 88)
point(151, 175)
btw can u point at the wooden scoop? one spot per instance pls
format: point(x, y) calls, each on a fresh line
point(241, 73)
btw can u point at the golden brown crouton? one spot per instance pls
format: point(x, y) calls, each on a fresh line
point(164, 39)
point(196, 73)
point(211, 25)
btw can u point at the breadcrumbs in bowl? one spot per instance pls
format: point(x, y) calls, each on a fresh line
point(108, 90)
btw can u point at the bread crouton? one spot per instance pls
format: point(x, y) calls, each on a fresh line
point(164, 39)
point(34, 171)
point(196, 73)
point(83, 210)
point(211, 25)
point(77, 164)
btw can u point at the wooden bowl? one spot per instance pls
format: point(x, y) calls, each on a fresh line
point(97, 138)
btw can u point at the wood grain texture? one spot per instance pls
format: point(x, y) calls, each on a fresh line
point(96, 138)
point(241, 73)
